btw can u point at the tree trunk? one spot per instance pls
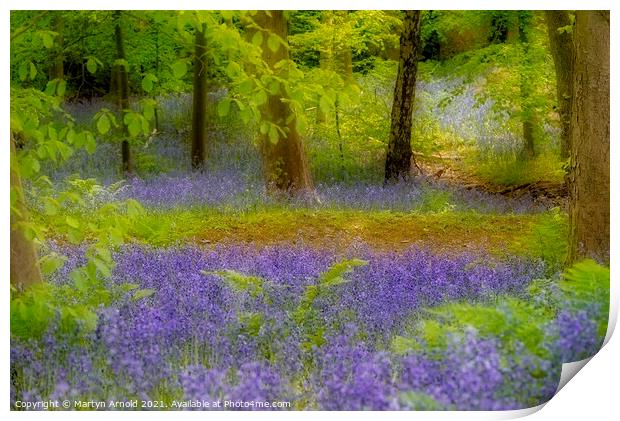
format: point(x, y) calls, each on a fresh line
point(56, 71)
point(528, 116)
point(561, 45)
point(589, 172)
point(399, 153)
point(326, 57)
point(199, 104)
point(25, 269)
point(122, 85)
point(284, 160)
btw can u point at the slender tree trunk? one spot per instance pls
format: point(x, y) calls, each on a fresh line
point(25, 269)
point(122, 85)
point(199, 104)
point(525, 85)
point(399, 153)
point(561, 45)
point(326, 57)
point(589, 172)
point(345, 56)
point(284, 160)
point(157, 72)
point(56, 70)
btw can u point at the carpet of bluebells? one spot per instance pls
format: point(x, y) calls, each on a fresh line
point(196, 337)
point(191, 340)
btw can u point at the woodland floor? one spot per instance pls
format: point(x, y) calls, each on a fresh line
point(449, 169)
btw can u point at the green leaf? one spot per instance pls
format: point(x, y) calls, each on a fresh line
point(148, 111)
point(134, 208)
point(273, 42)
point(89, 142)
point(233, 69)
point(246, 115)
point(179, 68)
point(80, 279)
point(245, 87)
point(274, 87)
point(33, 71)
point(260, 98)
point(51, 263)
point(134, 127)
point(148, 82)
point(103, 124)
point(274, 135)
point(50, 206)
point(61, 88)
point(257, 38)
point(72, 222)
point(264, 127)
point(143, 293)
point(23, 71)
point(50, 88)
point(48, 41)
point(223, 107)
point(91, 65)
point(103, 266)
point(335, 274)
point(240, 282)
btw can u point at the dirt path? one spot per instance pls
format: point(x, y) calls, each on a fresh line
point(498, 234)
point(449, 169)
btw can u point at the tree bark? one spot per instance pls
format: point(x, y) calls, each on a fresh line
point(56, 71)
point(284, 161)
point(199, 102)
point(561, 45)
point(25, 269)
point(122, 85)
point(399, 153)
point(589, 171)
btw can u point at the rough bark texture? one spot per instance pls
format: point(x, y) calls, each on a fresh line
point(399, 153)
point(285, 163)
point(561, 45)
point(57, 58)
point(199, 103)
point(25, 269)
point(122, 85)
point(589, 172)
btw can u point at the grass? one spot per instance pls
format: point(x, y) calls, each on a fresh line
point(338, 230)
point(510, 170)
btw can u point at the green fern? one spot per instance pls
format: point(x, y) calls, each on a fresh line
point(333, 276)
point(240, 282)
point(587, 283)
point(509, 320)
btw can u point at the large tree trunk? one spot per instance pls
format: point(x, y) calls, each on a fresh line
point(528, 116)
point(284, 160)
point(25, 269)
point(589, 171)
point(56, 70)
point(561, 45)
point(122, 95)
point(399, 153)
point(199, 105)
